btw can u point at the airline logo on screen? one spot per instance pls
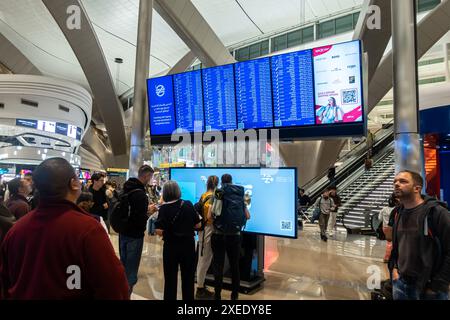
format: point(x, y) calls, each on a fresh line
point(321, 50)
point(160, 90)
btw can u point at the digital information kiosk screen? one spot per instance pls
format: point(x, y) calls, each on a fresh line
point(270, 195)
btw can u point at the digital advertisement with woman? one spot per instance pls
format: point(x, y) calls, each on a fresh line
point(338, 83)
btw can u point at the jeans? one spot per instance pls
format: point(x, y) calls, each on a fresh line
point(331, 223)
point(231, 244)
point(180, 252)
point(205, 257)
point(323, 224)
point(404, 291)
point(130, 251)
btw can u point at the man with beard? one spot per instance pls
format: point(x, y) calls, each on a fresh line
point(420, 259)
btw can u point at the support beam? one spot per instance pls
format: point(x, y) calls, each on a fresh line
point(374, 40)
point(140, 112)
point(408, 154)
point(184, 18)
point(89, 53)
point(430, 29)
point(14, 60)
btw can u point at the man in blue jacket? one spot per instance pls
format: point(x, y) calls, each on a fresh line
point(420, 260)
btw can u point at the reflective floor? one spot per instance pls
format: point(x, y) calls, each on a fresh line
point(302, 269)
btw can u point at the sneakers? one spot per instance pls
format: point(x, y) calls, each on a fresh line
point(324, 238)
point(204, 294)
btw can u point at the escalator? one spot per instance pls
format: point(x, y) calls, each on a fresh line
point(363, 192)
point(352, 161)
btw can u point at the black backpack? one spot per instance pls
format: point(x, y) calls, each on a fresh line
point(232, 217)
point(120, 213)
point(199, 207)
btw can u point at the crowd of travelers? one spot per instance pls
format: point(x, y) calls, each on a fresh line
point(52, 227)
point(61, 228)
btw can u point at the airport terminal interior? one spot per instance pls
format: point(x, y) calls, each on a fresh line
point(313, 107)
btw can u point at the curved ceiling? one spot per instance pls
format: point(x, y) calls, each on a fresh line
point(39, 38)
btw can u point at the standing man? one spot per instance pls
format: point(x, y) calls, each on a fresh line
point(17, 203)
point(420, 258)
point(227, 234)
point(33, 196)
point(98, 190)
point(325, 204)
point(59, 252)
point(131, 239)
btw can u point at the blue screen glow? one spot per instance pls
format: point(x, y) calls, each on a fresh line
point(161, 105)
point(219, 98)
point(254, 94)
point(189, 101)
point(270, 194)
point(293, 89)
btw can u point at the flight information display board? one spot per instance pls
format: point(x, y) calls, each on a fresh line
point(305, 94)
point(189, 101)
point(293, 101)
point(161, 105)
point(254, 94)
point(219, 98)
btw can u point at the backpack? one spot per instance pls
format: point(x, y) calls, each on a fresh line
point(199, 207)
point(120, 213)
point(232, 217)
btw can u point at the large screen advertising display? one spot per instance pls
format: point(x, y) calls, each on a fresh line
point(337, 75)
point(310, 93)
point(270, 195)
point(52, 127)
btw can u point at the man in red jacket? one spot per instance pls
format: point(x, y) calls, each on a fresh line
point(59, 251)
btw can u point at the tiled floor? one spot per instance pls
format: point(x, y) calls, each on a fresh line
point(302, 269)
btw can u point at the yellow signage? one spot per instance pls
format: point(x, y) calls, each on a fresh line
point(172, 165)
point(117, 170)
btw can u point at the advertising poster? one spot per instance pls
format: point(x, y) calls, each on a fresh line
point(338, 83)
point(47, 126)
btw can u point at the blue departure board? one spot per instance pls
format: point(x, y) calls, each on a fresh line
point(293, 92)
point(254, 94)
point(189, 101)
point(161, 105)
point(219, 98)
point(293, 89)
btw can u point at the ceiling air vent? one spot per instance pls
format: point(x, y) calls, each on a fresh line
point(30, 103)
point(63, 108)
